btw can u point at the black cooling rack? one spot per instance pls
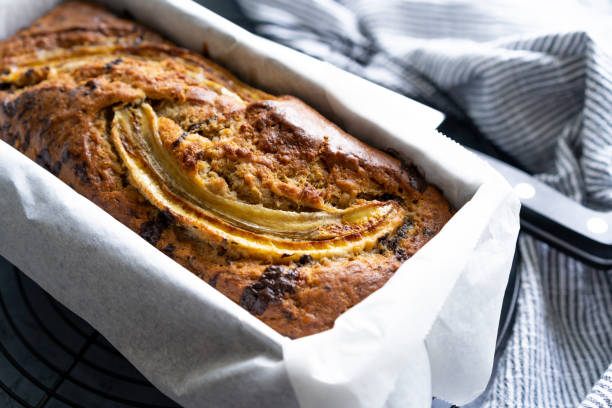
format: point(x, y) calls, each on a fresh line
point(49, 357)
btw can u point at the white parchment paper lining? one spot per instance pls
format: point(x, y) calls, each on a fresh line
point(430, 329)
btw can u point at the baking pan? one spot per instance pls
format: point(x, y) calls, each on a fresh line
point(141, 324)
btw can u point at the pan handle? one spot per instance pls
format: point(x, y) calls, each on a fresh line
point(558, 220)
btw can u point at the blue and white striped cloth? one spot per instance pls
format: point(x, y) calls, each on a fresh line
point(536, 79)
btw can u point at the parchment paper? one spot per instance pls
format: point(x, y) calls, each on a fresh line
point(430, 329)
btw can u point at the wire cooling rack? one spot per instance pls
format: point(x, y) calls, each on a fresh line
point(49, 357)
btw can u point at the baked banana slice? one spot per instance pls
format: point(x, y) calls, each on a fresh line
point(144, 142)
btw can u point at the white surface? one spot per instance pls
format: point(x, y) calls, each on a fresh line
point(431, 328)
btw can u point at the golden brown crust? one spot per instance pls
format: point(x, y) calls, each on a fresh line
point(64, 80)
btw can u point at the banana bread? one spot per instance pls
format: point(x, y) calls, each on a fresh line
point(259, 195)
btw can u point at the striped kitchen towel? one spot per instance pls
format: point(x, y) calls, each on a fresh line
point(536, 78)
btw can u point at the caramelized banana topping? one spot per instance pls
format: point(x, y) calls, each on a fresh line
point(252, 229)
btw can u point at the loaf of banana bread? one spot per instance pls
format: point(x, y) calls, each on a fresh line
point(259, 195)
